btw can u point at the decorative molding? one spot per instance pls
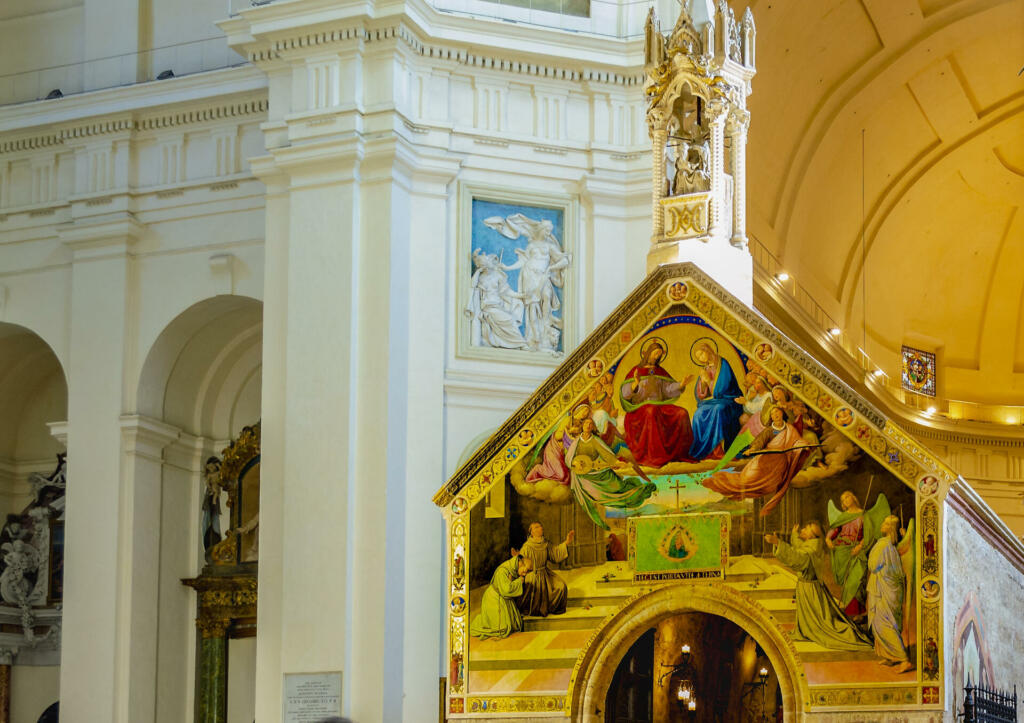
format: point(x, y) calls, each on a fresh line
point(277, 49)
point(84, 237)
point(144, 120)
point(205, 114)
point(147, 437)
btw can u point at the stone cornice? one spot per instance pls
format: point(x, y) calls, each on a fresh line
point(146, 437)
point(969, 504)
point(233, 95)
point(271, 33)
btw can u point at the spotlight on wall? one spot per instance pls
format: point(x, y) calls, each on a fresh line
point(165, 75)
point(55, 93)
point(782, 276)
point(877, 373)
point(930, 410)
point(835, 331)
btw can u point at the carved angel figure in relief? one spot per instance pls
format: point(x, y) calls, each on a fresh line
point(541, 267)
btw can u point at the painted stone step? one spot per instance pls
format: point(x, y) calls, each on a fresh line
point(813, 653)
point(523, 664)
point(574, 618)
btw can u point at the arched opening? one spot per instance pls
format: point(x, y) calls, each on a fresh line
point(731, 639)
point(34, 397)
point(694, 668)
point(201, 385)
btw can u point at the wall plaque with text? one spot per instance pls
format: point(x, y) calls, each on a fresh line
point(311, 697)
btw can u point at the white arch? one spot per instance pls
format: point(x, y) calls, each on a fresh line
point(200, 363)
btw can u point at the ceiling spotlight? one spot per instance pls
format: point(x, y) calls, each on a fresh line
point(55, 93)
point(782, 276)
point(835, 331)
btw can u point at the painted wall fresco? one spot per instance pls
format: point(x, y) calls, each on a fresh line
point(984, 594)
point(685, 427)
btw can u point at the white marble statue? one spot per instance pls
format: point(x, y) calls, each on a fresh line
point(541, 266)
point(21, 559)
point(495, 309)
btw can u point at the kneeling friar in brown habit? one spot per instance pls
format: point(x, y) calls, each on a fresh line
point(544, 592)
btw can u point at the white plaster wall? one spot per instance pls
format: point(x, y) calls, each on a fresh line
point(40, 47)
point(33, 690)
point(242, 680)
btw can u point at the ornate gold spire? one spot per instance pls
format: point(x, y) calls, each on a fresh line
point(697, 83)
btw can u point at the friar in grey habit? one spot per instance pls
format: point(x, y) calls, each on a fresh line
point(819, 618)
point(544, 592)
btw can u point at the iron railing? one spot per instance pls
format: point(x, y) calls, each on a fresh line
point(987, 705)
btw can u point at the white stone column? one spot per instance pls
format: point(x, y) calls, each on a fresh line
point(353, 422)
point(272, 439)
point(97, 587)
point(308, 441)
point(658, 140)
point(737, 127)
point(144, 441)
point(716, 116)
point(420, 266)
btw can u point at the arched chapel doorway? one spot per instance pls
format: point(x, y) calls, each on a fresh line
point(737, 664)
point(34, 399)
point(694, 668)
point(200, 388)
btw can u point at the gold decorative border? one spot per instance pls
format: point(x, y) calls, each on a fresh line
point(515, 704)
point(860, 695)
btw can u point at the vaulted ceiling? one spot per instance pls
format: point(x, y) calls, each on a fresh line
point(886, 156)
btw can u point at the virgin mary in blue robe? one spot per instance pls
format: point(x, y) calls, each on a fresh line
point(716, 421)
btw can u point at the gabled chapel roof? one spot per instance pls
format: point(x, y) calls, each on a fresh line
point(671, 286)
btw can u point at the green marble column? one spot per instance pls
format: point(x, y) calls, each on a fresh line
point(213, 673)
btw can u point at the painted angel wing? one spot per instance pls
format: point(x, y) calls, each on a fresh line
point(833, 513)
point(907, 548)
point(874, 517)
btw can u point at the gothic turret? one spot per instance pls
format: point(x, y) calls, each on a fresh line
point(697, 82)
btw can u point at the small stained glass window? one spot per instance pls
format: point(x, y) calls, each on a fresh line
point(918, 371)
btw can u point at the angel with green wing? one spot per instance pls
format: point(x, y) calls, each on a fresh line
point(851, 534)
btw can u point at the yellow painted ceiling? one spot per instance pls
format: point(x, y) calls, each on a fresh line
point(934, 90)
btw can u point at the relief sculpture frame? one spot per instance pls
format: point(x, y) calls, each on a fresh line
point(517, 279)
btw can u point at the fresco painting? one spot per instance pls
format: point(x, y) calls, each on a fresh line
point(685, 456)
